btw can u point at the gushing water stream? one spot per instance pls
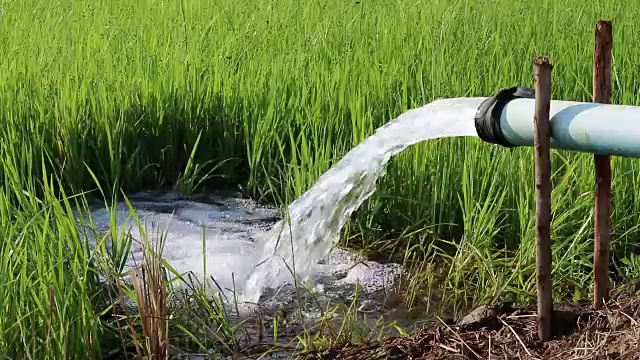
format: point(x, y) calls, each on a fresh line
point(236, 242)
point(317, 216)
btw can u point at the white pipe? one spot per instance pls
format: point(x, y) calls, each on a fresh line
point(585, 127)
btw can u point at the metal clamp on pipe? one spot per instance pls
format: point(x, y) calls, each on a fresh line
point(487, 119)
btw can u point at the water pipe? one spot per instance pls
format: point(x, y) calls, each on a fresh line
point(506, 119)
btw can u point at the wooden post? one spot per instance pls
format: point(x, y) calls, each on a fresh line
point(602, 94)
point(542, 140)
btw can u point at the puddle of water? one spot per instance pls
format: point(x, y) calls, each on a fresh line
point(214, 236)
point(232, 229)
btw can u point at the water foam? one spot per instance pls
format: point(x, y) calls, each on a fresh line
point(212, 237)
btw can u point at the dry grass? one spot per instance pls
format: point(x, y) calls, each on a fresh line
point(149, 284)
point(151, 294)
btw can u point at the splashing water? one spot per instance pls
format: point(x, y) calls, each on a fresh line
point(230, 240)
point(316, 217)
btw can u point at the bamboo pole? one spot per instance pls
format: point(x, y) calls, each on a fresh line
point(602, 233)
point(542, 140)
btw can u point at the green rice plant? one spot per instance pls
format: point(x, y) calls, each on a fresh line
point(48, 286)
point(269, 95)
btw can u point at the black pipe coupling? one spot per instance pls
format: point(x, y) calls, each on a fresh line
point(487, 119)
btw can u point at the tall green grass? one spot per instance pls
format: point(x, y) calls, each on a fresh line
point(269, 94)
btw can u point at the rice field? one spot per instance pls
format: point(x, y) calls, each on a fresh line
point(97, 98)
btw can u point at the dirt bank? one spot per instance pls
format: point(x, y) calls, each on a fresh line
point(508, 333)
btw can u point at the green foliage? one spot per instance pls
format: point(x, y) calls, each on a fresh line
point(269, 94)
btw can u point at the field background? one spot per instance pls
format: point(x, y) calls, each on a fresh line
point(268, 95)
